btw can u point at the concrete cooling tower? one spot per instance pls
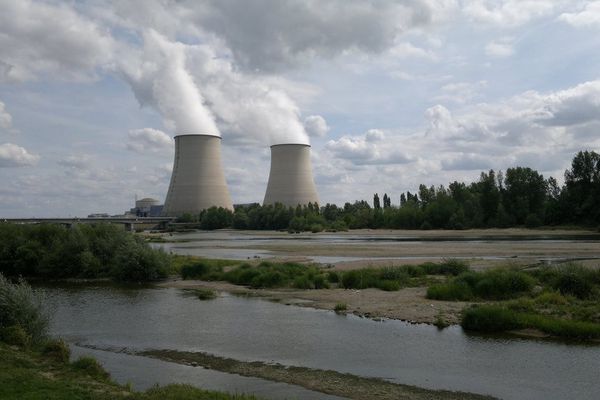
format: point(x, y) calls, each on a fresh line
point(197, 182)
point(290, 179)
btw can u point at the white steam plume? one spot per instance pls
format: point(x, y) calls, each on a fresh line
point(159, 78)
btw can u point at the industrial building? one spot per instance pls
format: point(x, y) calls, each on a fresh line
point(291, 180)
point(197, 181)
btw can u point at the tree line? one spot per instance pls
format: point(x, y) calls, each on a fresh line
point(520, 196)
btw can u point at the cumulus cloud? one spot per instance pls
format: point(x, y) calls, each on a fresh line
point(588, 16)
point(12, 155)
point(41, 37)
point(149, 140)
point(79, 161)
point(368, 149)
point(294, 32)
point(315, 125)
point(5, 118)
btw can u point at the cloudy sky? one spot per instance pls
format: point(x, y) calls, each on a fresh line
point(389, 94)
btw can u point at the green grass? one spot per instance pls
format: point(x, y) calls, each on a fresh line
point(498, 318)
point(31, 375)
point(192, 267)
point(301, 276)
point(496, 284)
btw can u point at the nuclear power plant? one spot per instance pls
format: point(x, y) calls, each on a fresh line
point(290, 178)
point(197, 182)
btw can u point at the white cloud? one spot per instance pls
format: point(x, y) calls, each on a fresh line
point(588, 16)
point(292, 33)
point(500, 48)
point(40, 37)
point(315, 125)
point(5, 118)
point(368, 149)
point(149, 140)
point(508, 13)
point(12, 155)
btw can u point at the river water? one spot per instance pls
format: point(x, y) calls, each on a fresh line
point(253, 329)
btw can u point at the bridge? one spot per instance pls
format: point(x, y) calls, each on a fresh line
point(129, 223)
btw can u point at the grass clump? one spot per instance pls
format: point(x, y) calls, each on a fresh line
point(15, 335)
point(22, 314)
point(498, 318)
point(58, 350)
point(496, 284)
point(571, 280)
point(340, 308)
point(91, 367)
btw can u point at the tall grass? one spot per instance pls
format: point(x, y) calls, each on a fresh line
point(21, 306)
point(497, 284)
point(496, 318)
point(571, 279)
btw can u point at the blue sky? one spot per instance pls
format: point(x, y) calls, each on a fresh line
point(390, 94)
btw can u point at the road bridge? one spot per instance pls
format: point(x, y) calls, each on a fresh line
point(129, 223)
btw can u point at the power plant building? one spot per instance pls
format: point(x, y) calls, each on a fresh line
point(197, 181)
point(291, 180)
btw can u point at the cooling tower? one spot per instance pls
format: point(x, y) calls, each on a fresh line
point(290, 179)
point(197, 182)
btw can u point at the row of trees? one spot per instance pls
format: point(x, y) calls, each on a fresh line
point(519, 197)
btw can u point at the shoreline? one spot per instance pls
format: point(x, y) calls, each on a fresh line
point(407, 304)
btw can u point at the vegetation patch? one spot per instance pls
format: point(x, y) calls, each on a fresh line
point(80, 251)
point(22, 315)
point(496, 284)
point(202, 293)
point(32, 374)
point(498, 318)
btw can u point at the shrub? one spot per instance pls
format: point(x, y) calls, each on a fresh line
point(320, 282)
point(203, 293)
point(333, 277)
point(21, 306)
point(491, 285)
point(489, 319)
point(194, 271)
point(90, 366)
point(553, 298)
point(15, 336)
point(573, 283)
point(58, 350)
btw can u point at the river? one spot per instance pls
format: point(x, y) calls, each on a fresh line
point(253, 329)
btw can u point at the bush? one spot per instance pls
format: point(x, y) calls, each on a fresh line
point(489, 319)
point(203, 293)
point(333, 277)
point(90, 366)
point(571, 279)
point(574, 284)
point(495, 284)
point(194, 271)
point(58, 350)
point(21, 306)
point(15, 336)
